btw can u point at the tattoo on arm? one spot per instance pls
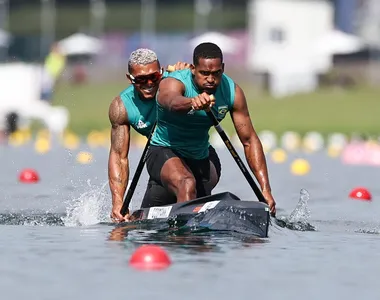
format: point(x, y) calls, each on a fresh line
point(241, 126)
point(118, 171)
point(118, 134)
point(117, 138)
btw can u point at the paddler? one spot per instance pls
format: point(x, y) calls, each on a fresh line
point(179, 154)
point(136, 107)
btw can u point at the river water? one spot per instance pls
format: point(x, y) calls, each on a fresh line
point(55, 245)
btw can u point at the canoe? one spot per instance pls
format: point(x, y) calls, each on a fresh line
point(222, 211)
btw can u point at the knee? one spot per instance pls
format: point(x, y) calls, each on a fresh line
point(186, 182)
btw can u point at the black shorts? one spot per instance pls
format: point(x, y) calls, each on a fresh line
point(156, 194)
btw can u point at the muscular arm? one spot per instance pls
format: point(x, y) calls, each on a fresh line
point(118, 169)
point(252, 145)
point(171, 96)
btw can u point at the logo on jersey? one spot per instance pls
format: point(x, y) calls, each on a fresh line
point(222, 110)
point(141, 125)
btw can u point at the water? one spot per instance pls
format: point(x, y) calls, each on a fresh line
point(55, 242)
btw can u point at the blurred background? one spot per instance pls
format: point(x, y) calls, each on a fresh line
point(305, 66)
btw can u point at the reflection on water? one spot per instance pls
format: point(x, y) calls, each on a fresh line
point(179, 239)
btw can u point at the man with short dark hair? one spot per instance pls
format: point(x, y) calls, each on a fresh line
point(178, 156)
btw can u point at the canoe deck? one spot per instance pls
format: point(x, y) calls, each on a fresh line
point(222, 211)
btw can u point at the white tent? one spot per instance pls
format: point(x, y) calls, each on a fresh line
point(26, 102)
point(226, 43)
point(337, 42)
point(80, 44)
point(4, 38)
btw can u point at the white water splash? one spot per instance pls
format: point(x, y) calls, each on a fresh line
point(90, 208)
point(301, 213)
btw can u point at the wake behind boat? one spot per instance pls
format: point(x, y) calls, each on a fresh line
point(222, 211)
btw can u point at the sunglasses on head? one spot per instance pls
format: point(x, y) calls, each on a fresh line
point(144, 79)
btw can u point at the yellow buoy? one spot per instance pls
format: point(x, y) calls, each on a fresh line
point(16, 138)
point(300, 167)
point(42, 145)
point(70, 141)
point(27, 134)
point(279, 155)
point(84, 157)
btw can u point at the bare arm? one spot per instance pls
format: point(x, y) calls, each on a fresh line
point(171, 96)
point(118, 168)
point(252, 145)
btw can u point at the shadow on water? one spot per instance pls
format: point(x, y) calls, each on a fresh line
point(187, 239)
point(209, 231)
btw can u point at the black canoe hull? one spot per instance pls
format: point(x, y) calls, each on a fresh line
point(222, 211)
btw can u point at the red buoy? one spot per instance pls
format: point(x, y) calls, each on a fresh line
point(29, 176)
point(361, 193)
point(150, 257)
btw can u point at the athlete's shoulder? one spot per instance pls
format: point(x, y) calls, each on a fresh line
point(228, 89)
point(126, 102)
point(129, 92)
point(228, 79)
point(117, 112)
point(165, 74)
point(180, 74)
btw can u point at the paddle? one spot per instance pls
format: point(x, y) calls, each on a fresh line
point(235, 155)
point(136, 177)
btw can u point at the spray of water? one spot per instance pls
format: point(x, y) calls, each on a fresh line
point(301, 213)
point(298, 219)
point(89, 209)
point(92, 207)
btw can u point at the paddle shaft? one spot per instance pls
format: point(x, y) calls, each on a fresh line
point(236, 156)
point(136, 177)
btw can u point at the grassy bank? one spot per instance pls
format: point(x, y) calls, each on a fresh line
point(325, 111)
point(25, 19)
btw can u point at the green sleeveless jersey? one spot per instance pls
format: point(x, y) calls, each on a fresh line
point(142, 114)
point(188, 134)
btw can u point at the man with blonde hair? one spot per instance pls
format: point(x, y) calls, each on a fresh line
point(136, 107)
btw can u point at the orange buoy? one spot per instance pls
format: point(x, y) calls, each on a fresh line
point(29, 176)
point(150, 257)
point(361, 193)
